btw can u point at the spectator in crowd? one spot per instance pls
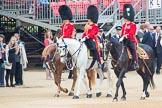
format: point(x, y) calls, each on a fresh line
point(147, 26)
point(48, 38)
point(141, 32)
point(44, 11)
point(101, 38)
point(118, 32)
point(47, 41)
point(148, 37)
point(2, 52)
point(20, 60)
point(11, 50)
point(158, 48)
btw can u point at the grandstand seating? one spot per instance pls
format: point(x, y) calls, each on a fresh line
point(79, 7)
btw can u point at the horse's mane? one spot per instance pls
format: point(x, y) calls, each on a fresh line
point(44, 53)
point(115, 41)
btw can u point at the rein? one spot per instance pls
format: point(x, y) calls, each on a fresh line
point(55, 54)
point(116, 61)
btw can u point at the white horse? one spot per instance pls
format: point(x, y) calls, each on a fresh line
point(80, 58)
point(110, 72)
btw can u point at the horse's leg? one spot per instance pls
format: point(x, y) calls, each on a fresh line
point(110, 80)
point(57, 84)
point(80, 79)
point(124, 91)
point(142, 74)
point(146, 81)
point(57, 78)
point(101, 75)
point(90, 75)
point(120, 78)
point(85, 80)
point(74, 82)
point(89, 78)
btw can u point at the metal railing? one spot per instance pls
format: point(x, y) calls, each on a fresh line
point(48, 11)
point(79, 9)
point(111, 12)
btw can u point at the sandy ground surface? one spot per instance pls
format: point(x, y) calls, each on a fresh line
point(39, 93)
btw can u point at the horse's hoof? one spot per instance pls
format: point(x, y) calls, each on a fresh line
point(142, 98)
point(66, 90)
point(147, 94)
point(56, 95)
point(123, 98)
point(98, 94)
point(108, 95)
point(75, 97)
point(71, 94)
point(115, 100)
point(89, 95)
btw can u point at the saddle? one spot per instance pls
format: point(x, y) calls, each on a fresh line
point(140, 51)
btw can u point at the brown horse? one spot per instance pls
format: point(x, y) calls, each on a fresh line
point(56, 67)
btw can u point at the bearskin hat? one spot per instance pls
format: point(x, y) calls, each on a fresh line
point(128, 12)
point(92, 13)
point(65, 12)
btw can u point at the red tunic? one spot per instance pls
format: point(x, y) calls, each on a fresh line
point(92, 34)
point(67, 30)
point(130, 31)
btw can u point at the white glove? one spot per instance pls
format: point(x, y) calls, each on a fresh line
point(101, 45)
point(121, 39)
point(84, 39)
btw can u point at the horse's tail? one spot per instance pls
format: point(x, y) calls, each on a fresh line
point(152, 83)
point(91, 74)
point(152, 69)
point(93, 81)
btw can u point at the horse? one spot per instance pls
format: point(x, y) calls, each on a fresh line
point(122, 64)
point(78, 51)
point(56, 67)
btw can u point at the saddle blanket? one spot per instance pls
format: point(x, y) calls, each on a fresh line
point(141, 53)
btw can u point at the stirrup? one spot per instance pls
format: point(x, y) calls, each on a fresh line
point(69, 64)
point(136, 66)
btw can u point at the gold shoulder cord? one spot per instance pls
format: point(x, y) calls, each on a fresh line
point(86, 27)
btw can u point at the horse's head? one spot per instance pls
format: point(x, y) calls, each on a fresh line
point(112, 43)
point(50, 55)
point(63, 49)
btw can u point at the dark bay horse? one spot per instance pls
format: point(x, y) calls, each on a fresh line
point(122, 64)
point(56, 67)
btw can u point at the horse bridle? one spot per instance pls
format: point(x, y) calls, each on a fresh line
point(66, 50)
point(65, 46)
point(104, 51)
point(114, 60)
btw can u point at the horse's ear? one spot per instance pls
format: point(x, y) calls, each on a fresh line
point(57, 39)
point(109, 36)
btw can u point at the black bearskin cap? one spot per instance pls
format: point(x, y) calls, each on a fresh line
point(65, 12)
point(92, 13)
point(128, 12)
